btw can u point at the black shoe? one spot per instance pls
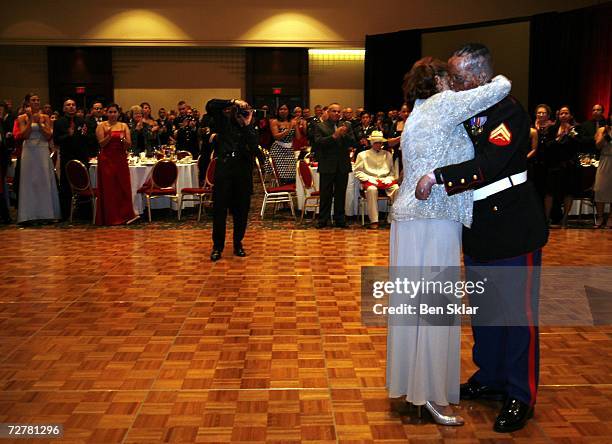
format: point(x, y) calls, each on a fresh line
point(239, 252)
point(513, 416)
point(321, 224)
point(215, 255)
point(475, 390)
point(340, 225)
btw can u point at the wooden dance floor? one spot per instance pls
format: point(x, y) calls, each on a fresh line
point(134, 336)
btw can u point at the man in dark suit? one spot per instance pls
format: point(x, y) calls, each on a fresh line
point(507, 233)
point(95, 118)
point(72, 136)
point(333, 141)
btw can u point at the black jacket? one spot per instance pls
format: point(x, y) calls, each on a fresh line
point(235, 146)
point(75, 146)
point(509, 223)
point(333, 154)
point(94, 146)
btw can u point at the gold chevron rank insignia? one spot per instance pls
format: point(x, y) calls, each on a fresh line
point(501, 136)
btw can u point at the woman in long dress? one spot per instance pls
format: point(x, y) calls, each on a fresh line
point(38, 195)
point(283, 131)
point(115, 206)
point(423, 360)
point(603, 178)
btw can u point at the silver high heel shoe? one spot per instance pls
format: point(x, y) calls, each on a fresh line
point(438, 416)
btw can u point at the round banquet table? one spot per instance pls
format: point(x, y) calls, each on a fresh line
point(187, 177)
point(351, 206)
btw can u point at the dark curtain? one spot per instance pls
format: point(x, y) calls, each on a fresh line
point(387, 58)
point(571, 60)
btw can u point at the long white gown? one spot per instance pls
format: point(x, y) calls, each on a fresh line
point(38, 196)
point(423, 361)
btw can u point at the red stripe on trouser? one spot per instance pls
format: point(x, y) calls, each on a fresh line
point(532, 334)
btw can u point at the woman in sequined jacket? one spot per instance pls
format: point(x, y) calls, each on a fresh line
point(423, 358)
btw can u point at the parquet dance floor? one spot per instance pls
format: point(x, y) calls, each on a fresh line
point(134, 336)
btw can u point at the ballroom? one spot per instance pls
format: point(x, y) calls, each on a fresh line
point(183, 260)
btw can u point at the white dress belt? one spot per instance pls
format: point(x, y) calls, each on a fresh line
point(284, 144)
point(500, 185)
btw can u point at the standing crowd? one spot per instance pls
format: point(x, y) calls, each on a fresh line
point(372, 142)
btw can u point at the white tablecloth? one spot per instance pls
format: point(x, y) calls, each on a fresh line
point(187, 177)
point(351, 206)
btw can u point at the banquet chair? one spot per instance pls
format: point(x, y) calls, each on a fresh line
point(269, 170)
point(80, 184)
point(276, 180)
point(363, 202)
point(310, 190)
point(202, 194)
point(161, 183)
point(181, 154)
point(277, 176)
point(275, 195)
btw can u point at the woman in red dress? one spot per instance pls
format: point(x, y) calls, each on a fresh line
point(115, 205)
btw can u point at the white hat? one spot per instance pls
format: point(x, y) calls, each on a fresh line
point(377, 137)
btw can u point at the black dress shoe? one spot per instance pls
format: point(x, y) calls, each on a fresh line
point(321, 224)
point(475, 390)
point(215, 255)
point(340, 225)
point(513, 416)
point(239, 252)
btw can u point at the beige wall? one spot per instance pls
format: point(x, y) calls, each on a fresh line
point(336, 78)
point(245, 22)
point(509, 45)
point(163, 76)
point(24, 70)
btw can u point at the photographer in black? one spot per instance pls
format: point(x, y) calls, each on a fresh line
point(234, 140)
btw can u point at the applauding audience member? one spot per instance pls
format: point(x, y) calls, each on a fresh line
point(115, 204)
point(38, 198)
point(71, 136)
point(283, 131)
point(333, 141)
point(561, 164)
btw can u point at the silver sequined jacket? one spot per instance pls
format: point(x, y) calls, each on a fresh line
point(434, 136)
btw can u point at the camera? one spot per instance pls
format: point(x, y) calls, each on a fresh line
point(244, 112)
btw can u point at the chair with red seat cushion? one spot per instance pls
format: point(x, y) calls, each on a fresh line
point(202, 194)
point(274, 195)
point(310, 190)
point(80, 184)
point(161, 183)
point(382, 196)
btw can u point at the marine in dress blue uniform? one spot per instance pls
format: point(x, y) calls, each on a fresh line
point(508, 231)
